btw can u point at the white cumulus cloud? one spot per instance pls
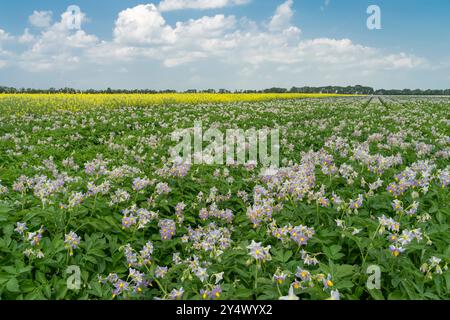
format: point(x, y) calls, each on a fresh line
point(141, 32)
point(142, 24)
point(239, 49)
point(283, 15)
point(57, 46)
point(41, 19)
point(171, 5)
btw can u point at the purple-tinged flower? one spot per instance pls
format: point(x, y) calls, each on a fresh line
point(179, 212)
point(259, 213)
point(203, 214)
point(216, 292)
point(76, 199)
point(131, 256)
point(296, 284)
point(279, 278)
point(119, 196)
point(160, 272)
point(146, 253)
point(413, 208)
point(201, 274)
point(337, 201)
point(120, 287)
point(35, 237)
point(21, 227)
point(327, 283)
point(72, 241)
point(167, 229)
point(258, 252)
point(301, 234)
point(303, 274)
point(180, 207)
point(397, 206)
point(179, 170)
point(128, 221)
point(205, 294)
point(396, 250)
point(393, 189)
point(390, 223)
point(444, 177)
point(405, 238)
point(112, 277)
point(140, 183)
point(162, 188)
point(280, 233)
point(393, 237)
point(138, 278)
point(394, 225)
point(324, 202)
point(176, 294)
point(417, 234)
point(356, 204)
point(308, 259)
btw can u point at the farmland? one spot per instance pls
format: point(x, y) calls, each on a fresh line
point(92, 208)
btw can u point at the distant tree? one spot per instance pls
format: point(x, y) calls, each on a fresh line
point(357, 89)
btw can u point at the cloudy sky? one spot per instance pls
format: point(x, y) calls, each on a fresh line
point(233, 44)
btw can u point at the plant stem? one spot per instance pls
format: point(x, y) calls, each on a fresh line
point(256, 276)
point(279, 291)
point(161, 287)
point(370, 244)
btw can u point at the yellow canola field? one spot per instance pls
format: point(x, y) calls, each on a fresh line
point(19, 103)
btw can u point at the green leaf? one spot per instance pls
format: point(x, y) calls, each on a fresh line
point(47, 291)
point(243, 293)
point(333, 252)
point(376, 294)
point(447, 281)
point(344, 270)
point(41, 277)
point(96, 288)
point(4, 209)
point(62, 291)
point(287, 255)
point(13, 285)
point(396, 295)
point(344, 284)
point(410, 290)
point(10, 269)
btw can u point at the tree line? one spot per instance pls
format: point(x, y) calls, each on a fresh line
point(328, 89)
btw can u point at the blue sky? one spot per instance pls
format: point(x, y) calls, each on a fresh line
point(230, 44)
